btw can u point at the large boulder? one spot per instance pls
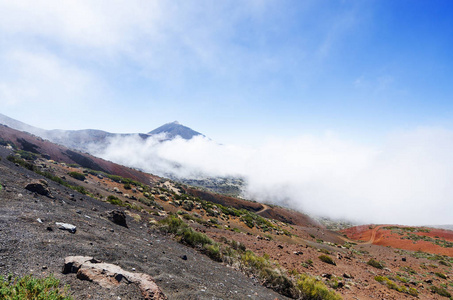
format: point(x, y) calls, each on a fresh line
point(109, 275)
point(117, 217)
point(40, 187)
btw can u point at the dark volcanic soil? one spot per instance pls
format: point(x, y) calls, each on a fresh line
point(30, 247)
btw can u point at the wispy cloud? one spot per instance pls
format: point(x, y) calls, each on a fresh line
point(39, 77)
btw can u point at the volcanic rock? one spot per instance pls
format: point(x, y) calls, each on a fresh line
point(39, 187)
point(117, 217)
point(110, 275)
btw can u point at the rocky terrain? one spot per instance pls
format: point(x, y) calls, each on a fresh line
point(32, 243)
point(188, 243)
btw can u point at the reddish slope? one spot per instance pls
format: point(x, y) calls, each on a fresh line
point(404, 238)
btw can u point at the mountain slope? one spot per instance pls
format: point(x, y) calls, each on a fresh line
point(174, 129)
point(30, 143)
point(84, 139)
point(245, 235)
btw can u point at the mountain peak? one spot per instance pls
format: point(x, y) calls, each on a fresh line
point(174, 129)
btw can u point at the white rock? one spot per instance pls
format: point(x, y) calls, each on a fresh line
point(65, 226)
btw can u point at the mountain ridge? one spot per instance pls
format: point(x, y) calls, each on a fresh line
point(82, 139)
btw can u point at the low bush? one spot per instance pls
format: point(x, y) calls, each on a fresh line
point(114, 200)
point(374, 263)
point(27, 155)
point(150, 202)
point(310, 288)
point(29, 287)
point(392, 285)
point(440, 291)
point(77, 175)
point(327, 259)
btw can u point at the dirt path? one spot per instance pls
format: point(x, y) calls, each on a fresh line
point(373, 235)
point(265, 208)
point(369, 242)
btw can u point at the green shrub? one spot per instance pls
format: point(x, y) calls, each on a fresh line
point(27, 155)
point(444, 263)
point(32, 288)
point(374, 263)
point(327, 259)
point(248, 220)
point(114, 200)
point(172, 224)
point(310, 288)
point(441, 275)
point(213, 251)
point(440, 291)
point(77, 175)
point(188, 205)
point(392, 285)
point(324, 251)
point(127, 186)
point(194, 238)
point(150, 202)
point(413, 292)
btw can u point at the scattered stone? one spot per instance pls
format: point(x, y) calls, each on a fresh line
point(346, 275)
point(109, 275)
point(326, 275)
point(184, 257)
point(49, 228)
point(65, 226)
point(429, 281)
point(280, 246)
point(39, 220)
point(403, 259)
point(117, 217)
point(40, 187)
point(298, 252)
point(44, 267)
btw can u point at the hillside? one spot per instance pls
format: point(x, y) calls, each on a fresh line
point(195, 244)
point(84, 139)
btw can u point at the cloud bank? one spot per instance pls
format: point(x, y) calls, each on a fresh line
point(406, 180)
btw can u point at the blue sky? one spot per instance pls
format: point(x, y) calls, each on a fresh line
point(236, 71)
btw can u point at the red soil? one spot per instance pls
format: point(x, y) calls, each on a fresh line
point(380, 235)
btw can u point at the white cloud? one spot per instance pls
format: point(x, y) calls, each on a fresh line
point(405, 181)
point(41, 78)
point(98, 24)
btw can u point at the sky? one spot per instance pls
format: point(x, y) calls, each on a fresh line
point(349, 79)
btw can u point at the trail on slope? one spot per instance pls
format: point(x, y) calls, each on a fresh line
point(373, 235)
point(265, 208)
